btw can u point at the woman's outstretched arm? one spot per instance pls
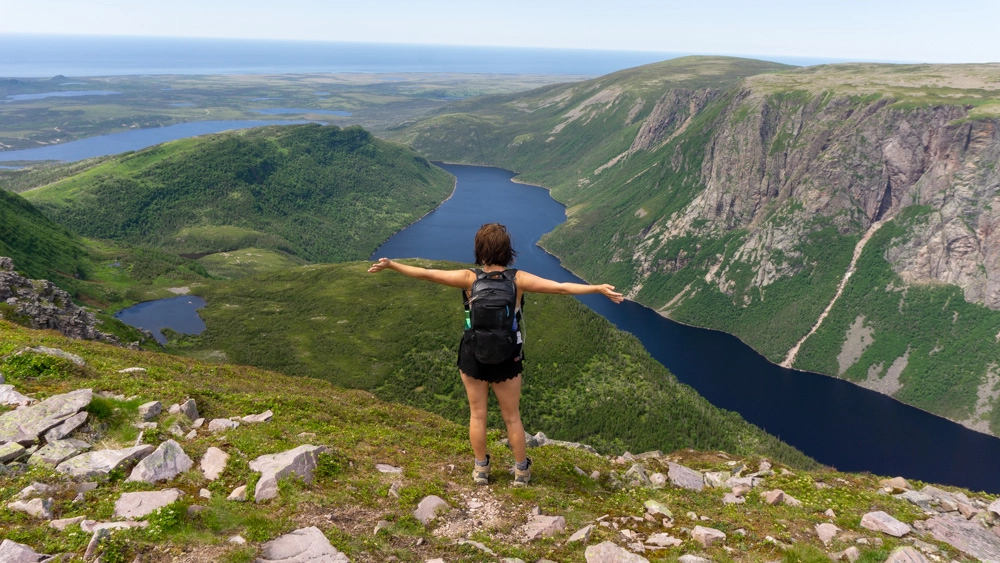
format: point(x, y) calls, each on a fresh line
point(534, 284)
point(451, 278)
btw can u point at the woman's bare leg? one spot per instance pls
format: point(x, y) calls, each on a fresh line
point(509, 396)
point(478, 392)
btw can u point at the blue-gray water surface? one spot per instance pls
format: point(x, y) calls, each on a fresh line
point(62, 94)
point(176, 313)
point(832, 420)
point(297, 111)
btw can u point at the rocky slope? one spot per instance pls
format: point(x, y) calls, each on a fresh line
point(863, 195)
point(94, 466)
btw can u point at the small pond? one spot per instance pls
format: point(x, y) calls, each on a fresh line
point(179, 314)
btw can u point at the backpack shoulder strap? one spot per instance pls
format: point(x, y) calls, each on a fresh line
point(465, 295)
point(511, 274)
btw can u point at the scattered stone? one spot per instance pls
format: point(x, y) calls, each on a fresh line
point(151, 410)
point(920, 499)
point(102, 462)
point(11, 451)
point(95, 542)
point(607, 552)
point(36, 507)
point(198, 423)
point(428, 507)
point(764, 466)
point(881, 522)
point(238, 540)
point(480, 546)
point(205, 493)
point(581, 535)
point(717, 479)
point(145, 425)
point(540, 526)
point(307, 435)
point(636, 476)
point(685, 478)
point(994, 508)
point(707, 536)
point(137, 505)
point(386, 468)
point(191, 435)
point(189, 409)
point(381, 525)
point(56, 452)
point(258, 418)
point(775, 497)
point(663, 540)
point(896, 484)
point(26, 424)
point(132, 370)
point(176, 429)
point(303, 545)
point(10, 397)
point(967, 510)
point(300, 461)
point(222, 424)
point(165, 463)
point(13, 552)
point(196, 509)
point(658, 480)
point(741, 490)
point(688, 558)
point(852, 554)
point(789, 500)
point(239, 494)
point(393, 490)
point(906, 555)
point(64, 523)
point(56, 352)
point(214, 463)
point(595, 475)
point(965, 535)
point(86, 487)
point(656, 507)
point(826, 532)
point(730, 498)
point(830, 513)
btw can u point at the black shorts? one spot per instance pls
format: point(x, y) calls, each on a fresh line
point(493, 373)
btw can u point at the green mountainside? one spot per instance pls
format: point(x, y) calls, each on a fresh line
point(320, 193)
point(734, 195)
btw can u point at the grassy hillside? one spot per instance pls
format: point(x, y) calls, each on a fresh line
point(584, 380)
point(319, 193)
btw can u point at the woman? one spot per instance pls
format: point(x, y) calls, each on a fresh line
point(493, 251)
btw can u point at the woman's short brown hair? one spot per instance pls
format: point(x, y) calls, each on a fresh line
point(493, 247)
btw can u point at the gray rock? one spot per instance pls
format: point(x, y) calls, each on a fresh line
point(300, 461)
point(11, 451)
point(25, 424)
point(222, 424)
point(57, 353)
point(730, 498)
point(775, 497)
point(33, 489)
point(717, 479)
point(685, 478)
point(95, 542)
point(881, 522)
point(91, 526)
point(607, 552)
point(656, 507)
point(239, 494)
point(10, 397)
point(13, 552)
point(663, 540)
point(198, 423)
point(636, 476)
point(57, 452)
point(132, 370)
point(826, 532)
point(145, 425)
point(150, 410)
point(258, 418)
point(920, 499)
point(386, 468)
point(994, 508)
point(191, 435)
point(205, 493)
point(301, 546)
point(137, 505)
point(658, 480)
point(581, 535)
point(707, 536)
point(67, 427)
point(478, 545)
point(238, 540)
point(428, 508)
point(688, 558)
point(214, 463)
point(102, 462)
point(64, 523)
point(964, 535)
point(906, 555)
point(36, 507)
point(540, 526)
point(852, 554)
point(896, 484)
point(166, 462)
point(189, 409)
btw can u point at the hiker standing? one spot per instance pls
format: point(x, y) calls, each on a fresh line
point(490, 354)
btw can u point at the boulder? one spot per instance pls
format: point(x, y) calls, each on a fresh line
point(222, 424)
point(102, 462)
point(636, 476)
point(300, 461)
point(95, 542)
point(189, 409)
point(826, 532)
point(881, 522)
point(656, 507)
point(258, 418)
point(386, 468)
point(730, 498)
point(581, 535)
point(57, 452)
point(91, 526)
point(685, 478)
point(39, 508)
point(906, 555)
point(607, 552)
point(663, 540)
point(150, 410)
point(478, 545)
point(13, 552)
point(896, 484)
point(239, 494)
point(689, 558)
point(775, 497)
point(994, 509)
point(964, 535)
point(67, 427)
point(137, 505)
point(914, 497)
point(717, 479)
point(540, 526)
point(214, 463)
point(707, 536)
point(10, 397)
point(658, 480)
point(11, 451)
point(301, 546)
point(166, 462)
point(26, 424)
point(428, 508)
point(64, 523)
point(57, 353)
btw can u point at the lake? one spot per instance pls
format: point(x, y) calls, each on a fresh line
point(832, 420)
point(297, 111)
point(179, 314)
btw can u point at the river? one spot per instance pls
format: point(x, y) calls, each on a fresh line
point(832, 420)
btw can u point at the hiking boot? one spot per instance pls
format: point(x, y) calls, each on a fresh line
point(481, 473)
point(522, 477)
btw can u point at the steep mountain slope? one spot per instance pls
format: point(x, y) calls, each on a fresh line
point(317, 192)
point(744, 208)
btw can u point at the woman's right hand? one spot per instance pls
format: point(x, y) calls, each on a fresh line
point(382, 264)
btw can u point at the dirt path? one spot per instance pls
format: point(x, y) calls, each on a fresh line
point(790, 358)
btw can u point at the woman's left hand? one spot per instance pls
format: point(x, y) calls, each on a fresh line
point(382, 264)
point(608, 291)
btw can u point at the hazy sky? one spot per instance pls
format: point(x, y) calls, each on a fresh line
point(911, 30)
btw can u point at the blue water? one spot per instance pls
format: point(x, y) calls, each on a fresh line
point(298, 111)
point(51, 55)
point(132, 140)
point(176, 313)
point(835, 422)
point(63, 94)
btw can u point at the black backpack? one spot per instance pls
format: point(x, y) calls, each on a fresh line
point(492, 316)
